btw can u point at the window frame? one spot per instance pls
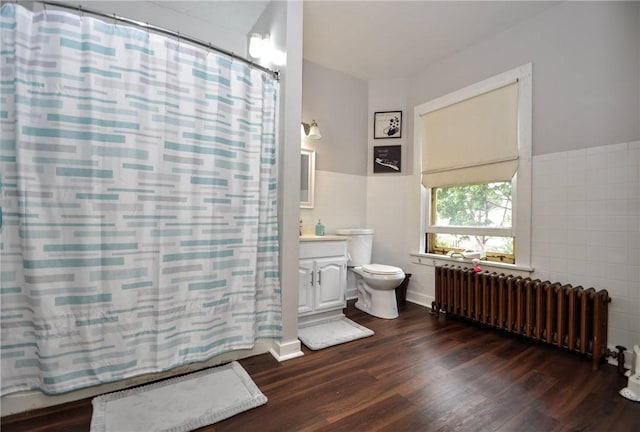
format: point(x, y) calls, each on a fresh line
point(521, 182)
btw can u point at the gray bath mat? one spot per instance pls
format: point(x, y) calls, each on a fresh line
point(179, 404)
point(333, 332)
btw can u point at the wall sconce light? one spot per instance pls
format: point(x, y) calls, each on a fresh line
point(261, 47)
point(257, 45)
point(311, 131)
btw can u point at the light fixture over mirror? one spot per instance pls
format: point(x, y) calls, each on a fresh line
point(311, 131)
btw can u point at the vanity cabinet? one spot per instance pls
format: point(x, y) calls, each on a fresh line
point(322, 275)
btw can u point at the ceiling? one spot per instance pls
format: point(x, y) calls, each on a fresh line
point(377, 39)
point(394, 39)
point(238, 15)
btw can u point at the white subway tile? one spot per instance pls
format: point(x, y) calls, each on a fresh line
point(577, 221)
point(618, 320)
point(596, 150)
point(576, 178)
point(615, 175)
point(617, 148)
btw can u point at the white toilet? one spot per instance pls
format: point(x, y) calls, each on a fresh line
point(375, 283)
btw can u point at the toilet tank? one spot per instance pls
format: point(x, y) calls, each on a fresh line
point(359, 245)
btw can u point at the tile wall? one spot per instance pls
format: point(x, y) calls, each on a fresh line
point(586, 227)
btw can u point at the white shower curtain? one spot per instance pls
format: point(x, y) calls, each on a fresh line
point(139, 188)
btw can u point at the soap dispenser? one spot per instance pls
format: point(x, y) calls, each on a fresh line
point(319, 228)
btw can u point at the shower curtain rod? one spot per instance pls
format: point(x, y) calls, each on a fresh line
point(274, 73)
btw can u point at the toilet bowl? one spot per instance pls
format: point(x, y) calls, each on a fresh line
point(376, 286)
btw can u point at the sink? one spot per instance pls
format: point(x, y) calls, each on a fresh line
point(309, 238)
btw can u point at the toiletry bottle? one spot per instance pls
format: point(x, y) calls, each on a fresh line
point(319, 228)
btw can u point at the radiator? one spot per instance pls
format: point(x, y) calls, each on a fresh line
point(557, 314)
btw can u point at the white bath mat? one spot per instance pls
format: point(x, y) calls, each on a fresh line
point(179, 404)
point(333, 332)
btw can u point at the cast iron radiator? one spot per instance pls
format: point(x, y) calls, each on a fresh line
point(561, 315)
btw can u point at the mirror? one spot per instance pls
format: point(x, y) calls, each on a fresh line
point(307, 177)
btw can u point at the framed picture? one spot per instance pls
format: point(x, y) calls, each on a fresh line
point(387, 124)
point(387, 159)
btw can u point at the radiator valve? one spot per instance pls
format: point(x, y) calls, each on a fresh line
point(619, 356)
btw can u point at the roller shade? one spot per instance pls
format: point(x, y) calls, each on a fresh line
point(472, 141)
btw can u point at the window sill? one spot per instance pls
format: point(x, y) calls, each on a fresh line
point(436, 259)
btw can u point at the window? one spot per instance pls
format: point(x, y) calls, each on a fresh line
point(473, 218)
point(476, 169)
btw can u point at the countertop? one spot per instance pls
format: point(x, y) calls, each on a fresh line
point(311, 238)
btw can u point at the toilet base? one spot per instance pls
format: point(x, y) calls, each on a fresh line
point(380, 304)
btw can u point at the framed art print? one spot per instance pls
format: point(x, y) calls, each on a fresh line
point(387, 124)
point(387, 159)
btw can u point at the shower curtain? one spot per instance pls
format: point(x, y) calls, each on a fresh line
point(139, 188)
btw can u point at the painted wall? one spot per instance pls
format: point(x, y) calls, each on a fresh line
point(586, 188)
point(162, 15)
point(388, 195)
point(585, 69)
point(338, 102)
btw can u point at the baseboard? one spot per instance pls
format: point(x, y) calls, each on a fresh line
point(322, 316)
point(420, 299)
point(286, 351)
point(15, 403)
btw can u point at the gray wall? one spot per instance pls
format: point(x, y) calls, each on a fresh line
point(162, 15)
point(338, 102)
point(586, 73)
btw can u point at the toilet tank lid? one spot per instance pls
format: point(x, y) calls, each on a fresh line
point(353, 231)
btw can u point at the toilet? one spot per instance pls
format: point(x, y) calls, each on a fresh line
point(375, 283)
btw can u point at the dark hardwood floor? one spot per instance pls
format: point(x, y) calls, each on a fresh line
point(417, 373)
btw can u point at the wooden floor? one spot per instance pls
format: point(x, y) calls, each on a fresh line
point(417, 373)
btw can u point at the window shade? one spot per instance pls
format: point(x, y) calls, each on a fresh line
point(472, 141)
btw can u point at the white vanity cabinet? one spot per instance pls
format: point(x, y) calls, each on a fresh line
point(322, 276)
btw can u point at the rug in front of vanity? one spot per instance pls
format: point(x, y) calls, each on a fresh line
point(328, 333)
point(178, 404)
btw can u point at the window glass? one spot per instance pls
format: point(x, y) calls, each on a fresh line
point(444, 243)
point(482, 205)
point(462, 215)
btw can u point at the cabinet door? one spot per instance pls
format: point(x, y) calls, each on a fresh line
point(330, 283)
point(305, 286)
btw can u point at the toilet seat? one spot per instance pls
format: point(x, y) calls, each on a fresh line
point(381, 269)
